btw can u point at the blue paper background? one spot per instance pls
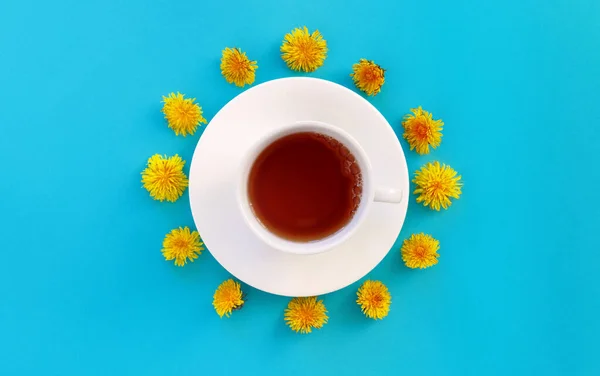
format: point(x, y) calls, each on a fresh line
point(84, 289)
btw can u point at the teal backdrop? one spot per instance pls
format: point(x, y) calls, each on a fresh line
point(84, 289)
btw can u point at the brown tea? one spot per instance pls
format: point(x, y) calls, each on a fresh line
point(305, 186)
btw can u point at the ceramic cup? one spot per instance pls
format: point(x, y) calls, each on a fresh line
point(370, 192)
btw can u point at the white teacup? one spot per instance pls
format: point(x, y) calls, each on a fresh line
point(370, 192)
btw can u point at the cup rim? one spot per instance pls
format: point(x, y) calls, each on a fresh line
point(315, 246)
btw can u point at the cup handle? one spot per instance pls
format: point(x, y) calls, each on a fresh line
point(391, 195)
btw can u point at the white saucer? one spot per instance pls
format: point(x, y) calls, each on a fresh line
point(216, 163)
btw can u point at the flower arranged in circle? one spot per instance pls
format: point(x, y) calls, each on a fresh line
point(420, 251)
point(421, 131)
point(374, 299)
point(436, 184)
point(181, 244)
point(303, 51)
point(163, 177)
point(303, 314)
point(237, 68)
point(368, 76)
point(182, 114)
point(228, 298)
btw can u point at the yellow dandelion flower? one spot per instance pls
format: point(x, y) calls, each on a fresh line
point(421, 131)
point(303, 51)
point(182, 114)
point(420, 251)
point(228, 298)
point(436, 184)
point(163, 177)
point(237, 68)
point(181, 244)
point(368, 76)
point(303, 314)
point(374, 299)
